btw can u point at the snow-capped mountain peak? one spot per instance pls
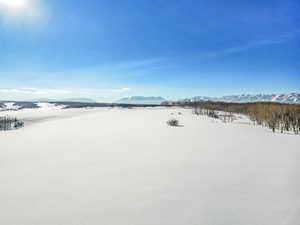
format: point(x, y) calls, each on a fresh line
point(293, 98)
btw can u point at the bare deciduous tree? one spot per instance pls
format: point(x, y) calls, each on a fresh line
point(276, 116)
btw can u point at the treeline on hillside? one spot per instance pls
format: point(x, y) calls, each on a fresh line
point(9, 123)
point(276, 116)
point(26, 105)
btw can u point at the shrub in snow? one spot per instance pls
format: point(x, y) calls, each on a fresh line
point(8, 123)
point(173, 123)
point(213, 114)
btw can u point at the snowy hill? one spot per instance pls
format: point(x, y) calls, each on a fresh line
point(205, 172)
point(141, 100)
point(9, 105)
point(282, 98)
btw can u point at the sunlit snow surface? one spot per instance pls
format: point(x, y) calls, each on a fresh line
point(127, 167)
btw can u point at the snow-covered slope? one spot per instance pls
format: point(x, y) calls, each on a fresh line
point(12, 106)
point(79, 166)
point(282, 98)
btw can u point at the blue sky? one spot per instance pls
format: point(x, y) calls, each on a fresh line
point(107, 49)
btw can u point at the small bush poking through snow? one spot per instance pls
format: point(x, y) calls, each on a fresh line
point(8, 123)
point(173, 123)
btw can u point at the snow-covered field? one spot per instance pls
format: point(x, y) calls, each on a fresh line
point(127, 167)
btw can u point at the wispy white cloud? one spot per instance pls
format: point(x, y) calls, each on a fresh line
point(35, 93)
point(255, 44)
point(124, 90)
point(84, 82)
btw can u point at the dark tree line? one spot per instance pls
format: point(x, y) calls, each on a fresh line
point(70, 105)
point(9, 123)
point(276, 116)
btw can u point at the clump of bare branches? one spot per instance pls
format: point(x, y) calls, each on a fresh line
point(173, 122)
point(9, 123)
point(279, 117)
point(275, 116)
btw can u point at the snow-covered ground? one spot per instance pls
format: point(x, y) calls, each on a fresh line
point(127, 167)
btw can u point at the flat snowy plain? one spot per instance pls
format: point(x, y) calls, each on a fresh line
point(127, 167)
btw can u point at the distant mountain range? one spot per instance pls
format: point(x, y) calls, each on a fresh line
point(141, 100)
point(292, 98)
